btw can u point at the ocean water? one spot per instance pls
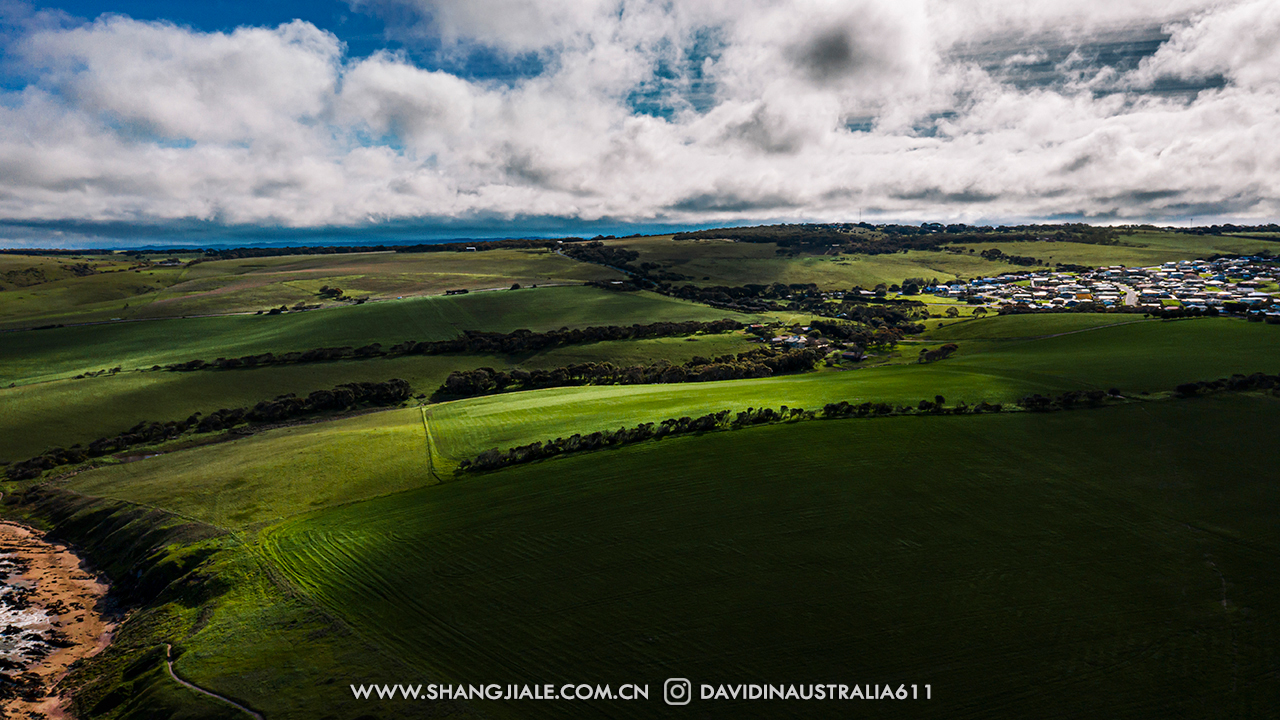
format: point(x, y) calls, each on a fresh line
point(17, 620)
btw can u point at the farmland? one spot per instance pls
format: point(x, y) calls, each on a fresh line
point(59, 352)
point(248, 285)
point(1111, 561)
point(69, 411)
point(724, 262)
point(1135, 358)
point(1001, 561)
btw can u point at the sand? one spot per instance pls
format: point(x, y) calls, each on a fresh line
point(73, 596)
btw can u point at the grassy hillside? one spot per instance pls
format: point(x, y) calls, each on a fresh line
point(64, 412)
point(1150, 356)
point(724, 262)
point(1137, 357)
point(721, 262)
point(223, 286)
point(1116, 563)
point(277, 474)
point(45, 354)
point(1137, 249)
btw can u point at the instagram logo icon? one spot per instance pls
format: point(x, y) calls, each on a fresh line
point(677, 691)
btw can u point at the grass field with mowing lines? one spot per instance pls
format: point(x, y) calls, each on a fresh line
point(1117, 562)
point(46, 354)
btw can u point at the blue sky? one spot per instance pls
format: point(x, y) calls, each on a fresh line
point(512, 117)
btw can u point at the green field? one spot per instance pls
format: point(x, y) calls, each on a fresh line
point(61, 413)
point(1150, 357)
point(722, 262)
point(1134, 358)
point(247, 285)
point(276, 474)
point(60, 352)
point(1140, 248)
point(1011, 327)
point(980, 555)
point(1112, 562)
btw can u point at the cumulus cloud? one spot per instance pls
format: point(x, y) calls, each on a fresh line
point(646, 110)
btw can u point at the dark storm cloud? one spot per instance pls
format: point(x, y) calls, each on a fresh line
point(732, 202)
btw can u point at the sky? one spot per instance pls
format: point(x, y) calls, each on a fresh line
point(489, 118)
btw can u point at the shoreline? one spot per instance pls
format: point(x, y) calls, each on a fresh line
point(58, 605)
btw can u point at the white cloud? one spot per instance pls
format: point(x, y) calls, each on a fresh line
point(137, 120)
point(1237, 42)
point(244, 85)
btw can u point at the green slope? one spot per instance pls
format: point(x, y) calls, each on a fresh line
point(1134, 358)
point(46, 354)
point(61, 413)
point(1109, 563)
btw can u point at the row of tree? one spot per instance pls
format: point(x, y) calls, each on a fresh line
point(725, 420)
point(1067, 400)
point(456, 246)
point(869, 239)
point(1235, 383)
point(472, 341)
point(494, 459)
point(722, 420)
point(758, 363)
point(285, 407)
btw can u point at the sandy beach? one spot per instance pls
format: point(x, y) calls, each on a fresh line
point(51, 617)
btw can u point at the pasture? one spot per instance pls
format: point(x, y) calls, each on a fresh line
point(723, 262)
point(1011, 327)
point(1142, 357)
point(1115, 562)
point(38, 355)
point(251, 284)
point(64, 412)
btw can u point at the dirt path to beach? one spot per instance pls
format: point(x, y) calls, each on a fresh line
point(71, 596)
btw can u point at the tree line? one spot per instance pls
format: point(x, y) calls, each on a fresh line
point(758, 363)
point(884, 239)
point(284, 407)
point(494, 459)
point(456, 246)
point(470, 341)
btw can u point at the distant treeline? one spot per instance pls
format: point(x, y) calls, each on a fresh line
point(1270, 228)
point(1235, 383)
point(726, 420)
point(459, 246)
point(758, 363)
point(284, 407)
point(882, 239)
point(471, 341)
